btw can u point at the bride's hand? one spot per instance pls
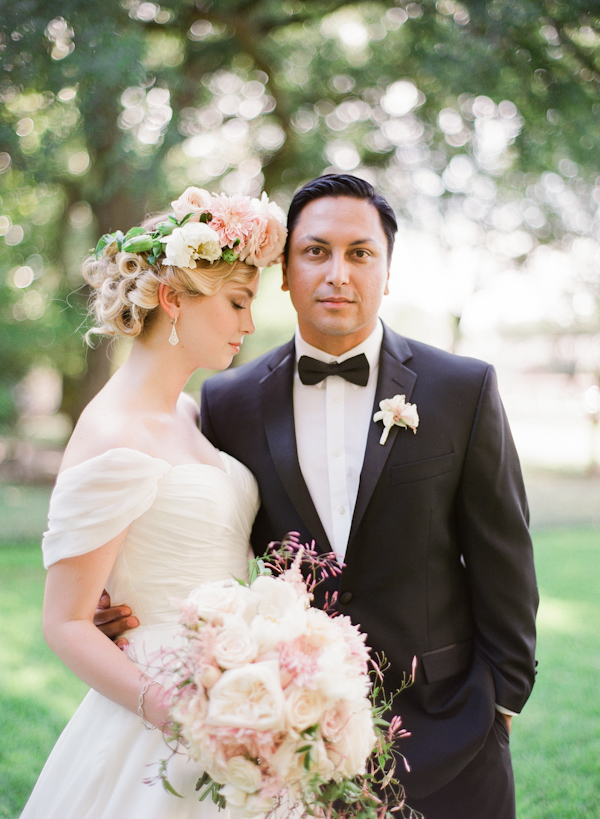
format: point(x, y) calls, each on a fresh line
point(113, 621)
point(156, 707)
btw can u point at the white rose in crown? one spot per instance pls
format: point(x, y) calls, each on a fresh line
point(195, 240)
point(396, 411)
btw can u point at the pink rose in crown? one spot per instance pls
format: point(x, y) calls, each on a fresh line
point(234, 219)
point(192, 200)
point(267, 240)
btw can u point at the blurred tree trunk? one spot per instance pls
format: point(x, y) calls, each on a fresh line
point(120, 211)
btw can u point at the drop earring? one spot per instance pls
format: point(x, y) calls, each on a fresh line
point(173, 338)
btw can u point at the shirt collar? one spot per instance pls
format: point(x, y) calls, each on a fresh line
point(371, 347)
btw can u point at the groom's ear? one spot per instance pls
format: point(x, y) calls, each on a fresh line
point(284, 281)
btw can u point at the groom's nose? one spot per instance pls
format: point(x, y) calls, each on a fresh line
point(338, 270)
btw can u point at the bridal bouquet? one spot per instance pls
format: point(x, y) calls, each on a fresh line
point(273, 698)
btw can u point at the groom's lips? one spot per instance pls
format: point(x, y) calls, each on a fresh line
point(334, 301)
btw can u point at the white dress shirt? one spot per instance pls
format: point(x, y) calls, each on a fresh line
point(332, 422)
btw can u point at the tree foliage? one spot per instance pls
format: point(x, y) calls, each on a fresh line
point(477, 114)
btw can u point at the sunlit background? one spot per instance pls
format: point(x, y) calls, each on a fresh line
point(477, 121)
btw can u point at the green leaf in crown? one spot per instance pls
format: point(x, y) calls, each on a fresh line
point(103, 243)
point(229, 256)
point(138, 244)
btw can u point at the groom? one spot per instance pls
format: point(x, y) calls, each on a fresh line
point(431, 525)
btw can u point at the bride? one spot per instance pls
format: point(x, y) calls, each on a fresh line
point(144, 505)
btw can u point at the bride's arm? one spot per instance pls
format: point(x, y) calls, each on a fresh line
point(73, 587)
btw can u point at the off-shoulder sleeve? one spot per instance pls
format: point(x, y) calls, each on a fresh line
point(96, 500)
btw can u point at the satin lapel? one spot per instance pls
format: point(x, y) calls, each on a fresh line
point(394, 379)
point(278, 419)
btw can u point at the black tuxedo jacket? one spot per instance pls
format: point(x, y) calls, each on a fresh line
point(439, 562)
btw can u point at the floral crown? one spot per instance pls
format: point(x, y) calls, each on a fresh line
point(209, 227)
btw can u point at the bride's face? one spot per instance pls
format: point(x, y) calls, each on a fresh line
point(212, 328)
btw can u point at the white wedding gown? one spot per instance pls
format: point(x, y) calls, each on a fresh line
point(188, 524)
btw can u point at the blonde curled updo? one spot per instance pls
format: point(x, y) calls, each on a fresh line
point(125, 286)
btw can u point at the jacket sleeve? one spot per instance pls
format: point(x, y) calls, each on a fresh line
point(493, 517)
point(206, 424)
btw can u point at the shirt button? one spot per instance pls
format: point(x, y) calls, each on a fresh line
point(336, 398)
point(346, 597)
point(337, 453)
point(342, 510)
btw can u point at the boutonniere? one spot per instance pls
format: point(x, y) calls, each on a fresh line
point(396, 411)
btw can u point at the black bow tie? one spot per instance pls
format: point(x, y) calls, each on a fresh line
point(355, 370)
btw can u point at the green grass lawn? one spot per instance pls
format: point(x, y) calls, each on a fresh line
point(556, 741)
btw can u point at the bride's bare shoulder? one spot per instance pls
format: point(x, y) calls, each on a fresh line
point(188, 407)
point(103, 426)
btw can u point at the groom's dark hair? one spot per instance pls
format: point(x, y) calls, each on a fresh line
point(342, 184)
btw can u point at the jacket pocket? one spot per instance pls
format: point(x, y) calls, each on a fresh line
point(420, 470)
point(446, 661)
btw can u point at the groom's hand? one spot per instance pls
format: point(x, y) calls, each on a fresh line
point(114, 620)
point(508, 719)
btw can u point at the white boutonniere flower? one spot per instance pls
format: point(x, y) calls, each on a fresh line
point(396, 411)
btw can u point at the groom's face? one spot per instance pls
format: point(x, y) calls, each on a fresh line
point(337, 271)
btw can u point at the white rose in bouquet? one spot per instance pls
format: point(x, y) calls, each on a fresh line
point(336, 718)
point(212, 600)
point(354, 743)
point(321, 762)
point(242, 804)
point(304, 707)
point(336, 675)
point(275, 598)
point(270, 634)
point(288, 765)
point(248, 697)
point(235, 644)
point(281, 613)
point(243, 774)
point(191, 714)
